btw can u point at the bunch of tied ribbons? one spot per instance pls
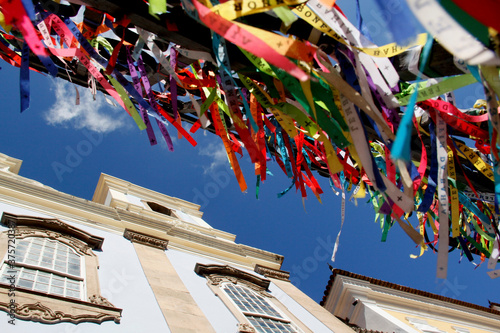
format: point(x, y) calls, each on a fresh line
point(295, 82)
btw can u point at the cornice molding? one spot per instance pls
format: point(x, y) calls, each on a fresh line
point(46, 193)
point(272, 273)
point(53, 228)
point(137, 237)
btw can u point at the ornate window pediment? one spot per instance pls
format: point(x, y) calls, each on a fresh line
point(50, 272)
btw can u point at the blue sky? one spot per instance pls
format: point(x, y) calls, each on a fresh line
point(45, 138)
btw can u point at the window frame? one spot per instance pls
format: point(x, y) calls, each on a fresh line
point(48, 308)
point(219, 275)
point(81, 279)
point(282, 319)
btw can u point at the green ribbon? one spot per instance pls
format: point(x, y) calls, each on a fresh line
point(128, 103)
point(157, 7)
point(424, 92)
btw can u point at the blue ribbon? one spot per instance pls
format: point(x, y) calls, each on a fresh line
point(24, 77)
point(432, 178)
point(284, 154)
point(401, 147)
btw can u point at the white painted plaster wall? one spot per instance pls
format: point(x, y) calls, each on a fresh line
point(135, 200)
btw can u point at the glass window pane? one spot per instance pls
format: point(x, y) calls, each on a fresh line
point(50, 244)
point(25, 283)
point(60, 257)
point(72, 285)
point(43, 279)
point(73, 293)
point(28, 275)
point(60, 262)
point(74, 270)
point(74, 258)
point(57, 291)
point(47, 260)
point(60, 269)
point(41, 287)
point(57, 282)
point(36, 246)
point(5, 278)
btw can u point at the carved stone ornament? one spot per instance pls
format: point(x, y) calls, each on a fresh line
point(80, 247)
point(272, 273)
point(219, 274)
point(22, 233)
point(38, 312)
point(100, 300)
point(76, 244)
point(137, 237)
point(245, 328)
point(228, 271)
point(218, 279)
point(52, 234)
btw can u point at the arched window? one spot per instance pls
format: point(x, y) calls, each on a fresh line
point(247, 297)
point(49, 270)
point(47, 265)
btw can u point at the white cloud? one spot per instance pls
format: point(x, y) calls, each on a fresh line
point(96, 115)
point(217, 153)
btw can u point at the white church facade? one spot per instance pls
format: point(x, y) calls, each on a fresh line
point(134, 260)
